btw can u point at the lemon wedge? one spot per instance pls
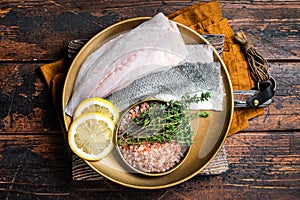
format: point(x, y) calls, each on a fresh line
point(97, 105)
point(91, 136)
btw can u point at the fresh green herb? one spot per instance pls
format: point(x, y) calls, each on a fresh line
point(164, 122)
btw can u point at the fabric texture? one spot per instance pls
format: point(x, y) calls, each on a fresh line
point(205, 18)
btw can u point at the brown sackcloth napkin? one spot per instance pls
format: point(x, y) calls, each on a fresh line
point(205, 18)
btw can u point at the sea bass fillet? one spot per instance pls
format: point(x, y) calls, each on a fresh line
point(173, 83)
point(200, 53)
point(153, 45)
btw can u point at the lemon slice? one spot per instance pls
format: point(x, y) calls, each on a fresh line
point(91, 136)
point(97, 105)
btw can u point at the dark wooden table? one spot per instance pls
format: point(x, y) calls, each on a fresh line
point(264, 159)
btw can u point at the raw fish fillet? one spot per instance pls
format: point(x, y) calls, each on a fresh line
point(173, 83)
point(155, 44)
point(200, 53)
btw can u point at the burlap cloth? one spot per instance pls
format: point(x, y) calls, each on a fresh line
point(205, 18)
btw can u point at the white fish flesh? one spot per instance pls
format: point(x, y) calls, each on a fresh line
point(155, 44)
point(200, 53)
point(173, 83)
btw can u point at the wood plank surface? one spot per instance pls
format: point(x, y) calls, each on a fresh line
point(35, 166)
point(283, 113)
point(24, 87)
point(273, 26)
point(264, 159)
point(26, 104)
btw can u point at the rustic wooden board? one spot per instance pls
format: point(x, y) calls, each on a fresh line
point(36, 24)
point(24, 87)
point(283, 113)
point(25, 101)
point(263, 159)
point(265, 165)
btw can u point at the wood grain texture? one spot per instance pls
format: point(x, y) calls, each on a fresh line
point(45, 27)
point(264, 165)
point(25, 101)
point(283, 113)
point(22, 86)
point(263, 159)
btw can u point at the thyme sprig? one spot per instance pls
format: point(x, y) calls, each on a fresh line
point(164, 122)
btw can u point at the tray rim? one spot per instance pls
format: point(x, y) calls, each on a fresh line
point(230, 109)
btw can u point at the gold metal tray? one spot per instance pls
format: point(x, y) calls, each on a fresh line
point(210, 132)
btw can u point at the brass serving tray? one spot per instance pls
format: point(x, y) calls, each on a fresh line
point(210, 132)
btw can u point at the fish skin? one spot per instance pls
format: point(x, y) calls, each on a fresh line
point(171, 83)
point(98, 75)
